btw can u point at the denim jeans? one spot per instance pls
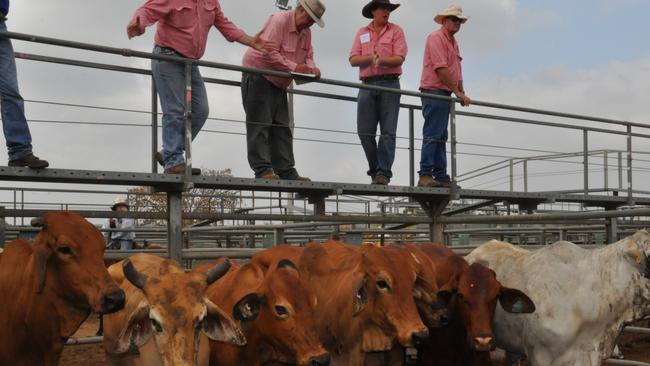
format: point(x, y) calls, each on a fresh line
point(14, 123)
point(170, 83)
point(268, 135)
point(378, 108)
point(434, 136)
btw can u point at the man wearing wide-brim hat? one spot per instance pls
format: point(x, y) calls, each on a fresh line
point(379, 50)
point(122, 240)
point(442, 74)
point(268, 135)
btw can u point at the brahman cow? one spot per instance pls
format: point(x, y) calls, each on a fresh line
point(583, 297)
point(283, 332)
point(165, 313)
point(468, 338)
point(49, 287)
point(364, 297)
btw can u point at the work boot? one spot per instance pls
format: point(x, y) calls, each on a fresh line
point(269, 174)
point(427, 181)
point(180, 169)
point(30, 161)
point(158, 156)
point(381, 180)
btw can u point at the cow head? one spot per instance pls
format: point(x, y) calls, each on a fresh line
point(175, 313)
point(385, 294)
point(475, 302)
point(637, 249)
point(285, 323)
point(68, 256)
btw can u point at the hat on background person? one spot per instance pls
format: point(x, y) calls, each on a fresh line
point(315, 9)
point(367, 10)
point(119, 201)
point(451, 11)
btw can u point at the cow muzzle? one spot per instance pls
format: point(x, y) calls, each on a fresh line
point(113, 302)
point(322, 360)
point(481, 344)
point(419, 338)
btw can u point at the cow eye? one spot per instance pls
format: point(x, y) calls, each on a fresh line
point(64, 250)
point(281, 311)
point(156, 325)
point(383, 285)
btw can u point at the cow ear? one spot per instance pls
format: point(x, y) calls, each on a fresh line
point(38, 222)
point(136, 332)
point(285, 263)
point(360, 296)
point(515, 301)
point(633, 252)
point(220, 327)
point(42, 254)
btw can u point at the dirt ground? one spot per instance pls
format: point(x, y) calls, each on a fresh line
point(634, 347)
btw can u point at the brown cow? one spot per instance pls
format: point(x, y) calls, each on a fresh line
point(165, 314)
point(49, 287)
point(364, 294)
point(283, 331)
point(468, 337)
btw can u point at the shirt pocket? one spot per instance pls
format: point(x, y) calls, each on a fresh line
point(385, 48)
point(208, 11)
point(183, 14)
point(290, 46)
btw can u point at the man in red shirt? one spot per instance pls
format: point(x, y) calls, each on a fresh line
point(182, 31)
point(379, 49)
point(441, 75)
point(268, 136)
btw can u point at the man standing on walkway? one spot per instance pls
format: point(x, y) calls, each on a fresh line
point(14, 123)
point(441, 75)
point(379, 50)
point(182, 31)
point(268, 134)
point(120, 240)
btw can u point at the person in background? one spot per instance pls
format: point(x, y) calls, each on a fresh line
point(122, 240)
point(441, 75)
point(268, 135)
point(182, 31)
point(379, 50)
point(14, 123)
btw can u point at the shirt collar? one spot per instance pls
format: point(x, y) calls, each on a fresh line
point(292, 26)
point(386, 28)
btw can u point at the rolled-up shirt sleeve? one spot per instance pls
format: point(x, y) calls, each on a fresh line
point(152, 11)
point(356, 46)
point(400, 48)
point(229, 30)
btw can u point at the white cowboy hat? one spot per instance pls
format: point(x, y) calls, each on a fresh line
point(119, 201)
point(315, 9)
point(451, 11)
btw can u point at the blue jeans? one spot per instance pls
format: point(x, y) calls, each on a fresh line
point(373, 108)
point(434, 136)
point(170, 83)
point(14, 123)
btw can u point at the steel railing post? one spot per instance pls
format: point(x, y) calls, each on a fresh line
point(512, 181)
point(411, 147)
point(175, 225)
point(452, 132)
point(525, 163)
point(188, 120)
point(630, 199)
point(606, 174)
point(154, 126)
point(585, 160)
point(620, 171)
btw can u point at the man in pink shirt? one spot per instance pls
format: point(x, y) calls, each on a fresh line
point(441, 75)
point(268, 135)
point(379, 49)
point(182, 31)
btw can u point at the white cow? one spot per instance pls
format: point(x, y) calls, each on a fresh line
point(584, 297)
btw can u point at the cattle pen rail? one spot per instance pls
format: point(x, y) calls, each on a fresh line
point(432, 200)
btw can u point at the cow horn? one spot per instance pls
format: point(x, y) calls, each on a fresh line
point(217, 271)
point(136, 278)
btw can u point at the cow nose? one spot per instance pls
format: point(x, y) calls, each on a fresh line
point(113, 302)
point(322, 360)
point(419, 337)
point(444, 320)
point(483, 343)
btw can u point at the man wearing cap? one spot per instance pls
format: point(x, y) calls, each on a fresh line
point(379, 49)
point(122, 240)
point(182, 31)
point(441, 75)
point(268, 135)
point(14, 123)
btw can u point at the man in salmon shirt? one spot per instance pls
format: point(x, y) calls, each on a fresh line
point(182, 31)
point(379, 49)
point(268, 136)
point(441, 75)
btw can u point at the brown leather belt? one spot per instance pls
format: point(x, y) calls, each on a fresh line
point(371, 79)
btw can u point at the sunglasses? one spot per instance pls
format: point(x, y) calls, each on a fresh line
point(455, 19)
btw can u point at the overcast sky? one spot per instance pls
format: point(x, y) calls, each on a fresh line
point(581, 56)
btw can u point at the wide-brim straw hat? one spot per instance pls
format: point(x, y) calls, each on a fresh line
point(315, 9)
point(451, 11)
point(367, 10)
point(119, 201)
